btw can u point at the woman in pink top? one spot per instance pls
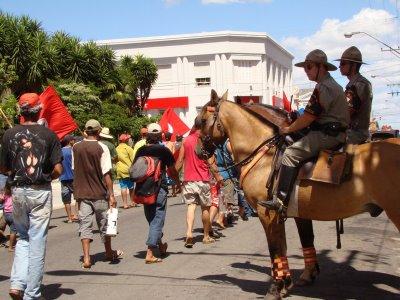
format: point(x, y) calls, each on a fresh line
point(6, 198)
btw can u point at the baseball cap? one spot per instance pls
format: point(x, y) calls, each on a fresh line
point(92, 124)
point(124, 137)
point(29, 102)
point(154, 128)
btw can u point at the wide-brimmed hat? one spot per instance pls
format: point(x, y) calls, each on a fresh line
point(319, 57)
point(352, 54)
point(105, 133)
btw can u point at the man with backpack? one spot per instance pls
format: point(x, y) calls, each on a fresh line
point(155, 213)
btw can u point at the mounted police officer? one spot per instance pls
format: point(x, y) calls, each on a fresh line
point(359, 95)
point(328, 118)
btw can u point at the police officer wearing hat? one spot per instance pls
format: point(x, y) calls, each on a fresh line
point(327, 116)
point(359, 95)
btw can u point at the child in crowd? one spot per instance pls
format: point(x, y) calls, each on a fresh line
point(6, 199)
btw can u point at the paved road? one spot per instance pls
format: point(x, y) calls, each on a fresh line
point(367, 267)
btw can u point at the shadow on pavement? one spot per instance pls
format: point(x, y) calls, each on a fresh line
point(76, 272)
point(336, 281)
point(54, 291)
point(4, 278)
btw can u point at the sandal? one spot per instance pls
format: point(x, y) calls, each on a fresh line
point(189, 242)
point(116, 255)
point(208, 240)
point(154, 260)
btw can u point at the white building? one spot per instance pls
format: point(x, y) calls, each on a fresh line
point(250, 65)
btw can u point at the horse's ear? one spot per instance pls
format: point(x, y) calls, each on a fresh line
point(225, 96)
point(214, 99)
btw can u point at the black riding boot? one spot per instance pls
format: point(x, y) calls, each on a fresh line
point(279, 202)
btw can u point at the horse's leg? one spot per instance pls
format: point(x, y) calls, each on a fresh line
point(311, 268)
point(276, 237)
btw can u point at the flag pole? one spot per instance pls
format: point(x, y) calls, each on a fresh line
point(5, 118)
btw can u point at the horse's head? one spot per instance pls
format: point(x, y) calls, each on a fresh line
point(212, 131)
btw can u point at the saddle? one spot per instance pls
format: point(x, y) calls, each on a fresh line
point(331, 166)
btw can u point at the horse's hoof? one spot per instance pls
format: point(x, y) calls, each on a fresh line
point(274, 291)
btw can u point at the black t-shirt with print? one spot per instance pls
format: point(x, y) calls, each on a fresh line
point(163, 154)
point(30, 153)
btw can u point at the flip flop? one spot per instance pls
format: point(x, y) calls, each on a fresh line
point(116, 255)
point(154, 260)
point(189, 242)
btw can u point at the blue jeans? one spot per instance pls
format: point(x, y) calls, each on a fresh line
point(31, 212)
point(155, 215)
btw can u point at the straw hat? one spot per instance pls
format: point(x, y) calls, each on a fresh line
point(105, 133)
point(319, 57)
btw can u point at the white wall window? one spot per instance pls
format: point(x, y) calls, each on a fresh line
point(202, 73)
point(245, 70)
point(203, 81)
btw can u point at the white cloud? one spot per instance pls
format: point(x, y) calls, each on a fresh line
point(233, 1)
point(171, 2)
point(385, 66)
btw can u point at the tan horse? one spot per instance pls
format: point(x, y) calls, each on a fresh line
point(372, 162)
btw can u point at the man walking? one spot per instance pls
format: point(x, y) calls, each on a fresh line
point(155, 213)
point(93, 189)
point(67, 177)
point(32, 156)
point(359, 96)
point(196, 187)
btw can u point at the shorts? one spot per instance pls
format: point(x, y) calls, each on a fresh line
point(87, 209)
point(125, 183)
point(197, 192)
point(67, 190)
point(8, 217)
point(228, 190)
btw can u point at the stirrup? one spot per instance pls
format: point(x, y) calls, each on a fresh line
point(274, 204)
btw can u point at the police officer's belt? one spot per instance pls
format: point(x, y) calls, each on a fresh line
point(331, 128)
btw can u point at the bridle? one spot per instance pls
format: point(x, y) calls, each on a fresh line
point(208, 146)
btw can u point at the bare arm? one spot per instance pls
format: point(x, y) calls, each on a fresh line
point(57, 171)
point(214, 169)
point(179, 161)
point(174, 175)
point(109, 184)
point(302, 122)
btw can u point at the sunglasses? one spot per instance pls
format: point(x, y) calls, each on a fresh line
point(308, 66)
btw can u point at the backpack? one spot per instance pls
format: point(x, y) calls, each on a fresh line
point(146, 172)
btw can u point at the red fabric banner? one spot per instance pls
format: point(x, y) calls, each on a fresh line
point(56, 114)
point(286, 103)
point(170, 122)
point(164, 103)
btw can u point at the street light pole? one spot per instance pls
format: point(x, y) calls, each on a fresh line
point(392, 50)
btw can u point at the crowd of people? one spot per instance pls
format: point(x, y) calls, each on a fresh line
point(32, 156)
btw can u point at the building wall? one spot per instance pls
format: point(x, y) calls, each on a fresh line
point(244, 63)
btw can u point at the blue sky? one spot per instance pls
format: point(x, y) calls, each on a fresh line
point(299, 26)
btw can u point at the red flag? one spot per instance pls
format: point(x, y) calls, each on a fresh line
point(55, 113)
point(172, 123)
point(286, 103)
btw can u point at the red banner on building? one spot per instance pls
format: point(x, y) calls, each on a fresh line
point(164, 103)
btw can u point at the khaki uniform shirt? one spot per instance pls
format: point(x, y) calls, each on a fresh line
point(359, 97)
point(328, 103)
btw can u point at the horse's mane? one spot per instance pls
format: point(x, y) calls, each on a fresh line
point(272, 115)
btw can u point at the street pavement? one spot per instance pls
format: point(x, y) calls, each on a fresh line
point(236, 266)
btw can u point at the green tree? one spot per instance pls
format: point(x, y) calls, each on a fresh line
point(137, 77)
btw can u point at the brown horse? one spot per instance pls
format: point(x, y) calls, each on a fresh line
point(247, 130)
